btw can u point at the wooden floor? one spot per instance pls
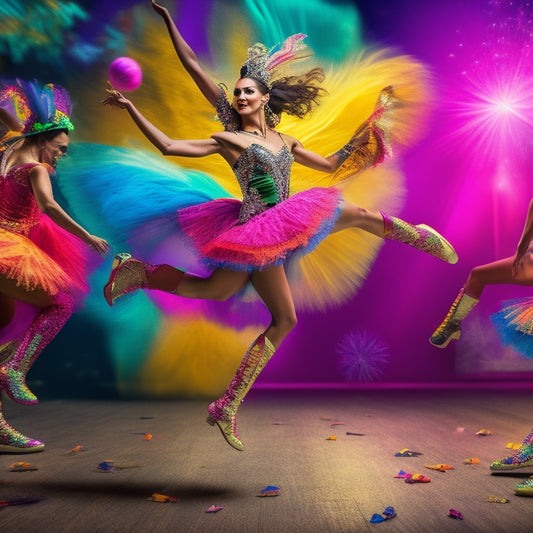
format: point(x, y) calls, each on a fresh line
point(326, 485)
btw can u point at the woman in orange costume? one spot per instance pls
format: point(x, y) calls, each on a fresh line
point(43, 251)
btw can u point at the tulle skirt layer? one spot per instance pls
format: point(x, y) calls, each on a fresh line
point(296, 225)
point(514, 324)
point(50, 258)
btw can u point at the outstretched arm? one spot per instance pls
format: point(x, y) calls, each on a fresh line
point(362, 143)
point(525, 240)
point(44, 196)
point(166, 145)
point(188, 58)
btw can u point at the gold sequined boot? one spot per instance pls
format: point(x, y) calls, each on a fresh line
point(128, 275)
point(224, 410)
point(451, 325)
point(422, 237)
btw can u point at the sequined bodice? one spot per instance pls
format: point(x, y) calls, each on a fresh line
point(264, 178)
point(18, 209)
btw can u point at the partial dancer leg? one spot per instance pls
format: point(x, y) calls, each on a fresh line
point(12, 441)
point(496, 273)
point(129, 274)
point(421, 237)
point(19, 355)
point(43, 329)
point(272, 286)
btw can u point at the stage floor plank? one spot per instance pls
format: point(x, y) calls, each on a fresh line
point(326, 485)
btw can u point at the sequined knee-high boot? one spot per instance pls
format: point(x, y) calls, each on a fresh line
point(129, 274)
point(523, 457)
point(12, 441)
point(223, 411)
point(42, 330)
point(451, 325)
point(422, 237)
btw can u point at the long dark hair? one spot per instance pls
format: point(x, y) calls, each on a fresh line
point(295, 95)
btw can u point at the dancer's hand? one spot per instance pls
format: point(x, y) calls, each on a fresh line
point(160, 10)
point(115, 99)
point(98, 244)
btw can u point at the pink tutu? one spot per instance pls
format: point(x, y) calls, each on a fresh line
point(297, 224)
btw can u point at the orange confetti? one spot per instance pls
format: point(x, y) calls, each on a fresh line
point(440, 467)
point(162, 498)
point(472, 461)
point(148, 436)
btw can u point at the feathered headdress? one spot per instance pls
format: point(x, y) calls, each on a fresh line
point(268, 66)
point(39, 107)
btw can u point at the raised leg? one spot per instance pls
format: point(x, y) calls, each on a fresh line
point(129, 274)
point(496, 273)
point(421, 236)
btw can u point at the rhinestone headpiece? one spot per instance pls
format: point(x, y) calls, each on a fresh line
point(268, 66)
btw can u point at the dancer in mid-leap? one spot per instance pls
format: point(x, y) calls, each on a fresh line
point(252, 239)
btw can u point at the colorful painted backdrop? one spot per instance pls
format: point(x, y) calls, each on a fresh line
point(469, 176)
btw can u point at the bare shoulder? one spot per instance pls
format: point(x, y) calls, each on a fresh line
point(290, 141)
point(40, 171)
point(224, 136)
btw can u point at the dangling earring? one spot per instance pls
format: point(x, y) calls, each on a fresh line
point(271, 118)
point(263, 122)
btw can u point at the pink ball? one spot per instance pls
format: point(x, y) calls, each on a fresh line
point(125, 74)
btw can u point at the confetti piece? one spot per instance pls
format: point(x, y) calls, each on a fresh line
point(455, 514)
point(401, 474)
point(146, 417)
point(21, 467)
point(494, 499)
point(148, 436)
point(440, 467)
point(459, 429)
point(471, 461)
point(483, 433)
point(106, 466)
point(78, 449)
point(162, 498)
point(406, 452)
point(334, 424)
point(416, 478)
point(385, 515)
point(270, 490)
point(357, 434)
point(332, 437)
point(513, 446)
point(214, 509)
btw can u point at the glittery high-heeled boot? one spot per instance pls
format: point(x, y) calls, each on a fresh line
point(523, 458)
point(451, 325)
point(12, 441)
point(129, 274)
point(421, 237)
point(42, 330)
point(223, 411)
